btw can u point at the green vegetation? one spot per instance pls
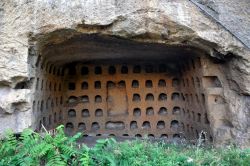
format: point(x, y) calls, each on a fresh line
point(35, 149)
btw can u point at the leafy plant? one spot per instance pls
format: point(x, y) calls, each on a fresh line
point(32, 149)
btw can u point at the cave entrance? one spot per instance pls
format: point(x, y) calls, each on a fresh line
point(104, 86)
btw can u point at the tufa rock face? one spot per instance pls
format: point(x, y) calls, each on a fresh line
point(28, 28)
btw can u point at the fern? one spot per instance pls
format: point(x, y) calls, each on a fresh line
point(8, 148)
point(32, 149)
point(85, 158)
point(55, 160)
point(99, 151)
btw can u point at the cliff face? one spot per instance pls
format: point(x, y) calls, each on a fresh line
point(233, 16)
point(28, 27)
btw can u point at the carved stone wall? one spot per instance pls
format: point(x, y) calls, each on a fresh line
point(154, 95)
point(44, 29)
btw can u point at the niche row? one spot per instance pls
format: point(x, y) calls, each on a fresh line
point(51, 119)
point(119, 125)
point(50, 103)
point(149, 136)
point(124, 69)
point(209, 82)
point(195, 82)
point(136, 112)
point(190, 98)
point(136, 98)
point(191, 65)
point(48, 85)
point(50, 68)
point(195, 117)
point(110, 84)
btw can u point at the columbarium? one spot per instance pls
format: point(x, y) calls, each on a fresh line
point(107, 86)
point(163, 69)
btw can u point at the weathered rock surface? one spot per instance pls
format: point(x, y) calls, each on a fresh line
point(233, 16)
point(24, 23)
